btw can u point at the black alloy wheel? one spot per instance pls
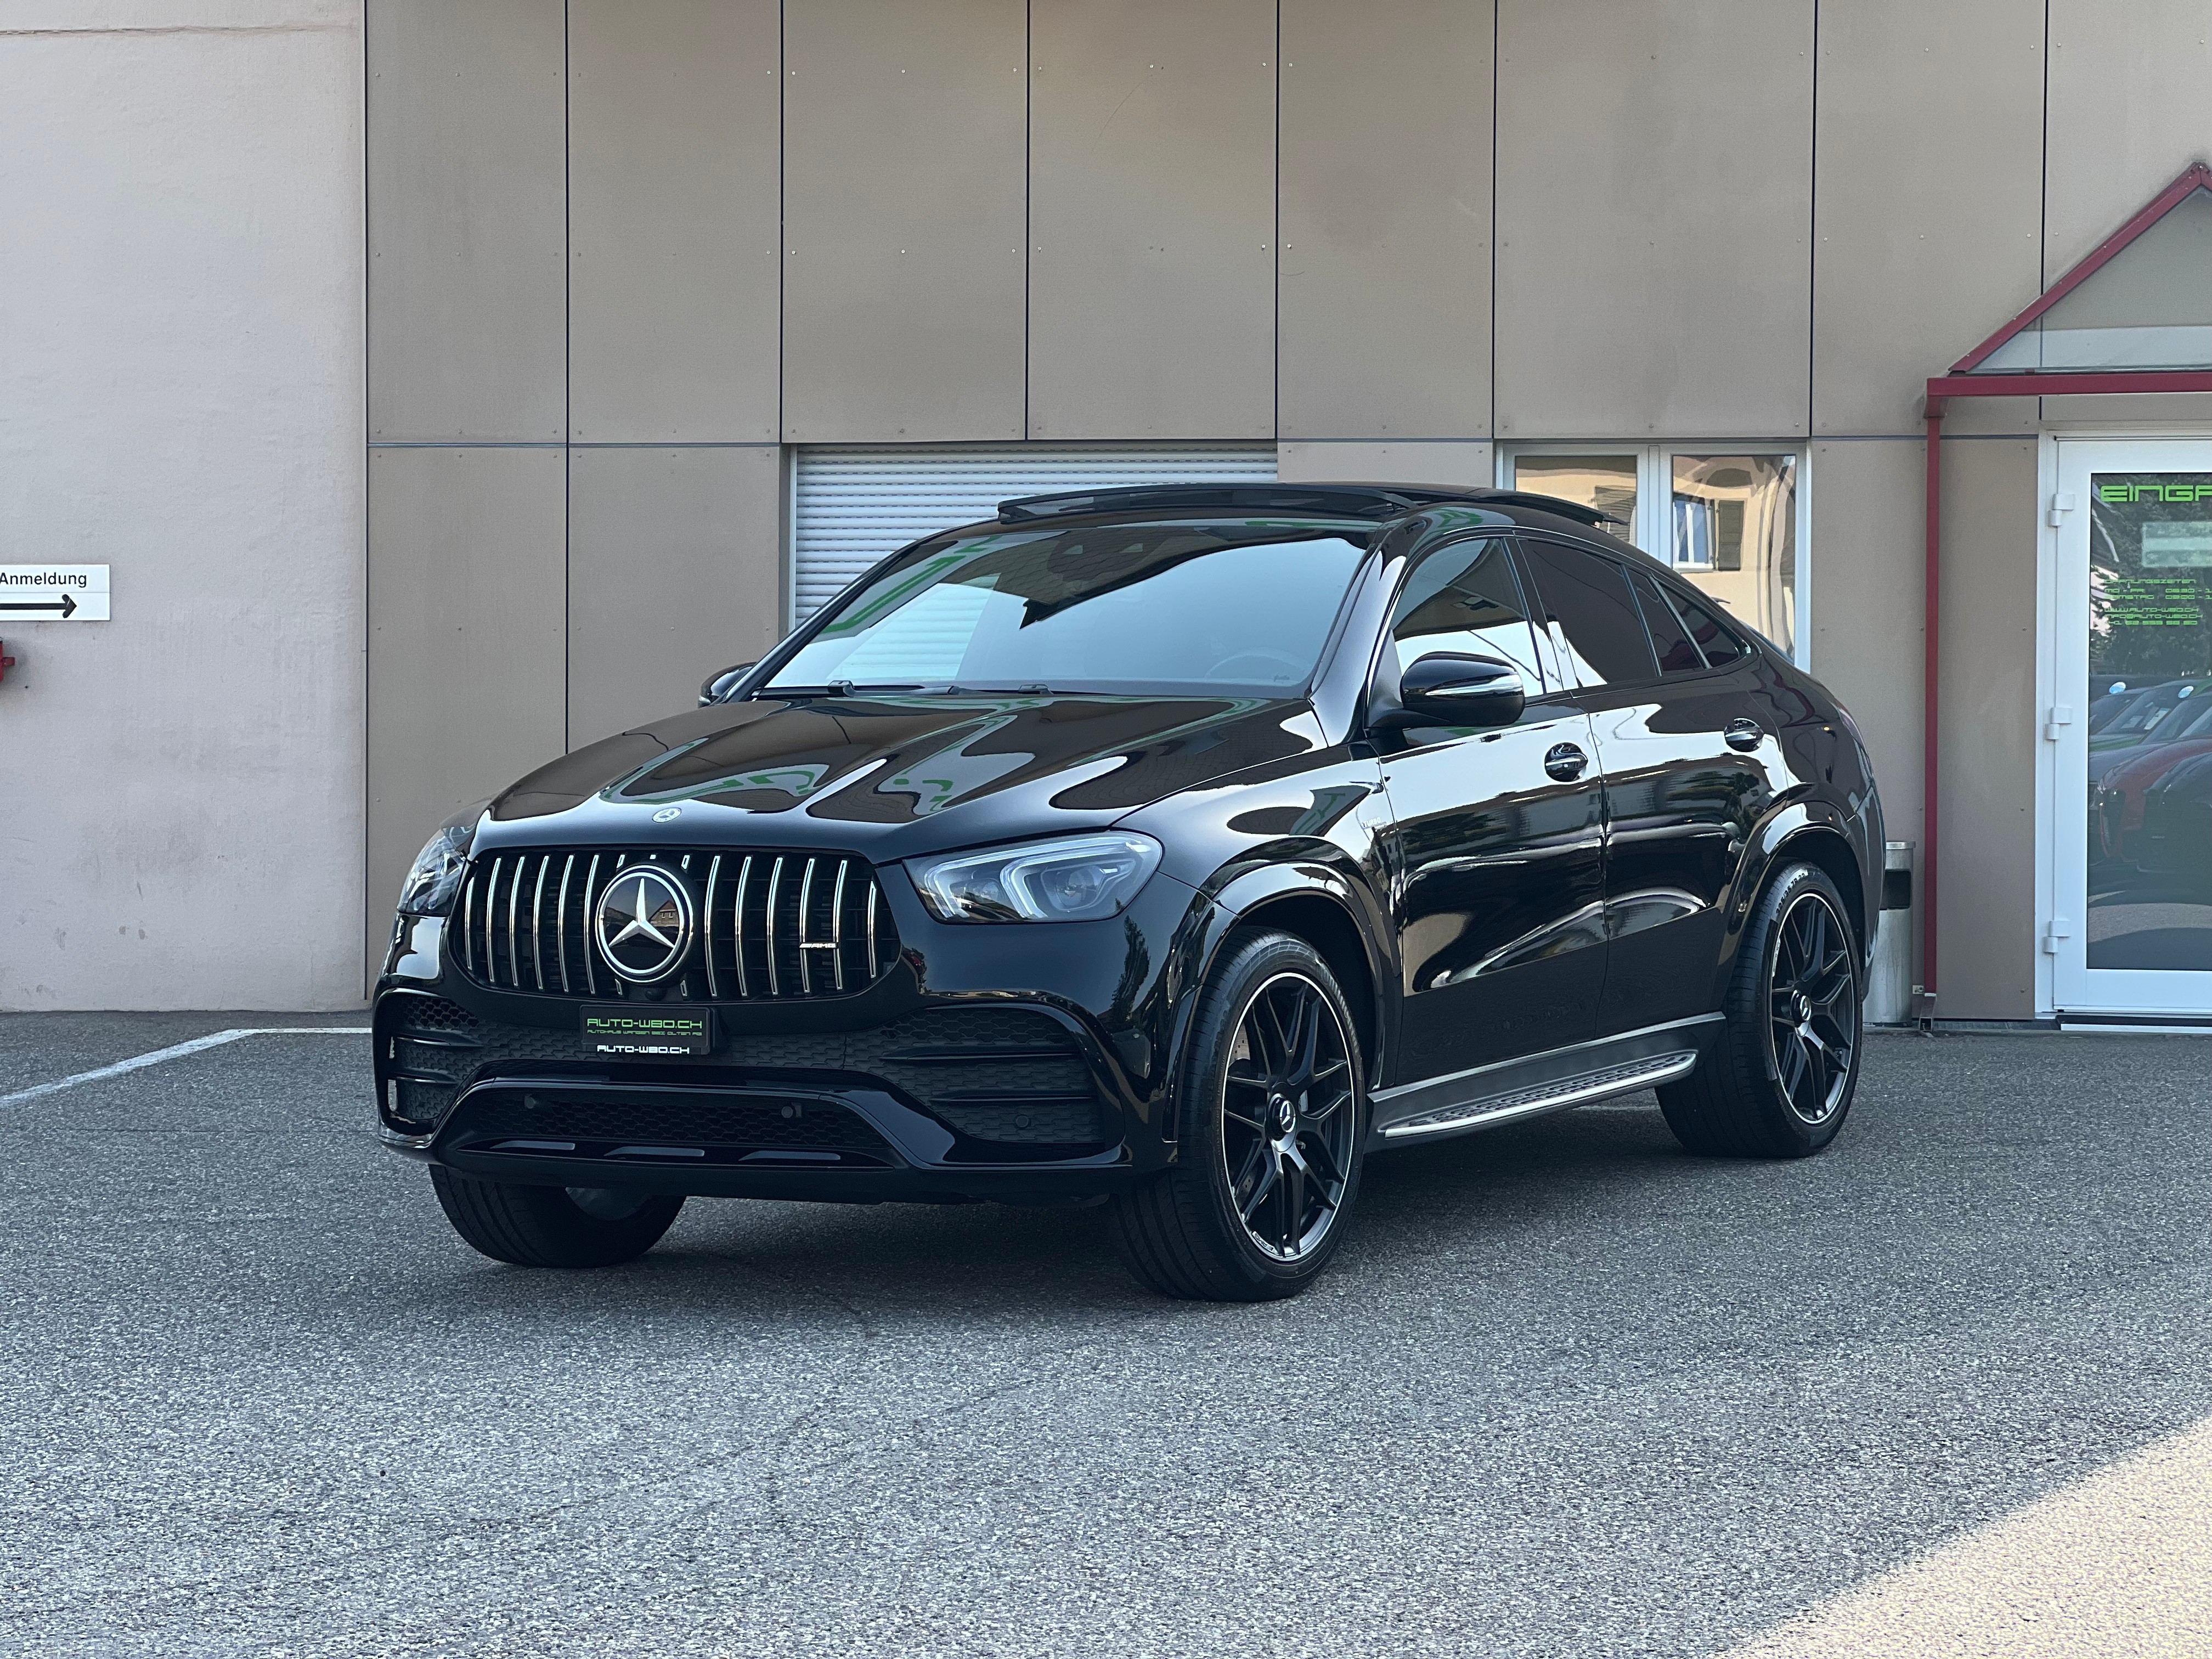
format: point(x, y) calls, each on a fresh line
point(1813, 1010)
point(1270, 1113)
point(1287, 1112)
point(1778, 1079)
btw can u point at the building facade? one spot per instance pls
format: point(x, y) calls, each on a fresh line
point(449, 382)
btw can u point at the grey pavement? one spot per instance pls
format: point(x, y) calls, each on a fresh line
point(1567, 1390)
point(37, 1048)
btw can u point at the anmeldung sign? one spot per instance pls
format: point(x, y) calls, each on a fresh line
point(53, 593)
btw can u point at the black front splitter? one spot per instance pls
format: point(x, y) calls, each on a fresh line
point(897, 1186)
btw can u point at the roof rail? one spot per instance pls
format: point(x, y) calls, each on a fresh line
point(1551, 504)
point(1342, 501)
point(1338, 500)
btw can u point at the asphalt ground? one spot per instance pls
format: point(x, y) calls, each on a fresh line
point(1566, 1391)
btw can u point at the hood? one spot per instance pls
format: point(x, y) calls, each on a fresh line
point(897, 776)
point(2132, 769)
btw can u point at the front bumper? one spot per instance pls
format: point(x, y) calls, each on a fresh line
point(939, 1084)
point(876, 1114)
point(904, 1096)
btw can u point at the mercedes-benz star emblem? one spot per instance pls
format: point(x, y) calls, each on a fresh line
point(644, 924)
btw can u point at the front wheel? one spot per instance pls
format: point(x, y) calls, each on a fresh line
point(1270, 1116)
point(553, 1226)
point(1780, 1079)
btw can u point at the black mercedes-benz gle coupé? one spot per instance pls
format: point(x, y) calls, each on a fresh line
point(1176, 848)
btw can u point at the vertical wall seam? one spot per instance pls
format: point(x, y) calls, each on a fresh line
point(784, 204)
point(2043, 191)
point(1275, 268)
point(1812, 265)
point(568, 372)
point(787, 461)
point(1496, 91)
point(1807, 572)
point(368, 458)
point(1029, 196)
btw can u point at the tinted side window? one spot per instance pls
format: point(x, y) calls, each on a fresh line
point(1466, 597)
point(1587, 598)
point(1718, 644)
point(1677, 653)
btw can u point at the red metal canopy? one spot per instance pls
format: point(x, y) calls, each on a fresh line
point(1961, 380)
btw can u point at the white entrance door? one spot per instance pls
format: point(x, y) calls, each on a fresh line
point(2131, 927)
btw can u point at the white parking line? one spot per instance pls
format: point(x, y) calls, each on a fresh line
point(214, 1039)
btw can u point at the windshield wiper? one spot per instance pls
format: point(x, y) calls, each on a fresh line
point(928, 689)
point(835, 688)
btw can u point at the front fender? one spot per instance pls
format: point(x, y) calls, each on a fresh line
point(1238, 896)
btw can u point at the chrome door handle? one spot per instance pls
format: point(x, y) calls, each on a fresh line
point(1565, 762)
point(1744, 735)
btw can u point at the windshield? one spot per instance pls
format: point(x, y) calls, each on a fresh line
point(1241, 606)
point(2183, 720)
point(2153, 706)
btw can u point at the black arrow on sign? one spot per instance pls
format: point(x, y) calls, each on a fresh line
point(66, 605)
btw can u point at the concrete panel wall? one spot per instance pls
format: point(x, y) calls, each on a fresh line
point(1152, 219)
point(1385, 162)
point(1385, 462)
point(675, 565)
point(1928, 217)
point(579, 228)
point(2128, 111)
point(180, 399)
point(673, 203)
point(1867, 619)
point(466, 670)
point(467, 294)
point(907, 208)
point(1866, 610)
point(1653, 184)
point(2184, 409)
point(1986, 900)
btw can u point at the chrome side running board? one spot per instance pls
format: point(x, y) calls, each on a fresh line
point(1550, 1097)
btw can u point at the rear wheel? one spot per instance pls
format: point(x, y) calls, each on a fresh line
point(553, 1226)
point(1270, 1115)
point(1780, 1080)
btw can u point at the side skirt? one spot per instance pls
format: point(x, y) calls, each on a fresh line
point(1550, 1082)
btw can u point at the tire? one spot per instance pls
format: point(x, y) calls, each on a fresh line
point(1779, 1081)
point(1270, 1117)
point(553, 1226)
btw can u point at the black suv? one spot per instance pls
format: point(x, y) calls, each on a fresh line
point(1173, 848)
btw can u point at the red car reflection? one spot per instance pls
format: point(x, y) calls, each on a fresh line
point(2128, 775)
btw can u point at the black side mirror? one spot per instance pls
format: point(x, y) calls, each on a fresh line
point(719, 685)
point(1452, 688)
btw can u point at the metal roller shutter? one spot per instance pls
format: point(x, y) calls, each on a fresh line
point(854, 504)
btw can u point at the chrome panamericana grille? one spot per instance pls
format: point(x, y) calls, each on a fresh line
point(770, 924)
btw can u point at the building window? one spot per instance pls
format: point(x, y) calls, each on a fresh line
point(1728, 517)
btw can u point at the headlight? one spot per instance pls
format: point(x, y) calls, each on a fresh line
point(1077, 878)
point(430, 886)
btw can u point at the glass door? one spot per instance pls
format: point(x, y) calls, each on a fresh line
point(2131, 928)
